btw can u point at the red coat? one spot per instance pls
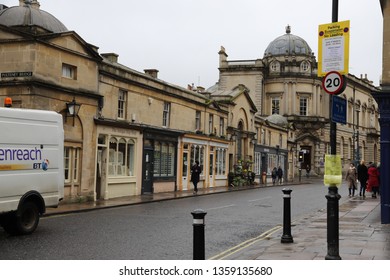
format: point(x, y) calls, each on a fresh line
point(373, 178)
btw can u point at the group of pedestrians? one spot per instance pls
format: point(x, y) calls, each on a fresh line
point(277, 175)
point(368, 176)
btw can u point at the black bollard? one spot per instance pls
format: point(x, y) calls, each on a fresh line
point(199, 240)
point(287, 237)
point(333, 224)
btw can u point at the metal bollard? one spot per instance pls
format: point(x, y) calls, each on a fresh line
point(333, 198)
point(199, 240)
point(287, 237)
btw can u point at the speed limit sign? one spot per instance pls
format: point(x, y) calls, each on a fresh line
point(333, 83)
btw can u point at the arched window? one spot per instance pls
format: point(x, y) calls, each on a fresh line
point(121, 157)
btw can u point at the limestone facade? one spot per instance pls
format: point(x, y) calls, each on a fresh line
point(136, 134)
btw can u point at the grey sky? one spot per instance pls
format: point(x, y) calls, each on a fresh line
point(181, 38)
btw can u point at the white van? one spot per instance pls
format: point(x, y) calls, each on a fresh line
point(31, 167)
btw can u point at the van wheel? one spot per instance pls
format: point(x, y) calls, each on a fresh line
point(26, 218)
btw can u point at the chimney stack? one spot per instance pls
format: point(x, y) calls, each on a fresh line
point(112, 57)
point(151, 72)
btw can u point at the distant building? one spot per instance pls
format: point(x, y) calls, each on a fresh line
point(284, 83)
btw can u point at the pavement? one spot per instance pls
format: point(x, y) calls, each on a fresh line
point(361, 234)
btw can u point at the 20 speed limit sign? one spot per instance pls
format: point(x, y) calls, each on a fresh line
point(333, 83)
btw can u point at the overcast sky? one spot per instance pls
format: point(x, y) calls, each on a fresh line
point(181, 38)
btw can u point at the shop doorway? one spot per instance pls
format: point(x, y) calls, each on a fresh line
point(147, 174)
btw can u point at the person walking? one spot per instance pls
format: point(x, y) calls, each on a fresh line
point(195, 175)
point(308, 170)
point(373, 180)
point(351, 179)
point(362, 171)
point(274, 174)
point(280, 175)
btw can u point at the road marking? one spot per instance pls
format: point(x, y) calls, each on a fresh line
point(263, 198)
point(246, 244)
point(222, 207)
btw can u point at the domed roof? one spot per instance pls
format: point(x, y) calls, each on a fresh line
point(278, 120)
point(288, 44)
point(28, 14)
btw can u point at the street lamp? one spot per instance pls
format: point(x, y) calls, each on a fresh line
point(72, 109)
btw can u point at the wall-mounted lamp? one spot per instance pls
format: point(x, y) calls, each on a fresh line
point(254, 139)
point(72, 109)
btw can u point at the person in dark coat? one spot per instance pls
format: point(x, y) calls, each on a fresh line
point(274, 175)
point(195, 175)
point(280, 175)
point(362, 171)
point(308, 170)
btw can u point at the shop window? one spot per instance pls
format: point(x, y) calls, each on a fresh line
point(220, 161)
point(197, 153)
point(164, 159)
point(121, 157)
point(257, 163)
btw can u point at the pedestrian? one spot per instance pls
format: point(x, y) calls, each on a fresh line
point(362, 171)
point(351, 179)
point(308, 170)
point(280, 175)
point(373, 180)
point(274, 174)
point(195, 175)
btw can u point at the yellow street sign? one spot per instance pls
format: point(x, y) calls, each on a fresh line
point(333, 48)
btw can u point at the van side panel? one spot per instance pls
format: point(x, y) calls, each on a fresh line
point(31, 156)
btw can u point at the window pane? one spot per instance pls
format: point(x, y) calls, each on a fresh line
point(157, 159)
point(275, 106)
point(166, 113)
point(66, 164)
point(112, 157)
point(121, 104)
point(76, 165)
point(303, 107)
point(130, 159)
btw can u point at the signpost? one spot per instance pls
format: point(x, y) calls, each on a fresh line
point(333, 83)
point(333, 48)
point(333, 61)
point(339, 110)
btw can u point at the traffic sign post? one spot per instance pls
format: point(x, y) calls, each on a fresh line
point(339, 110)
point(334, 83)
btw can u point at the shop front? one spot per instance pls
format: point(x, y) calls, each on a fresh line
point(212, 156)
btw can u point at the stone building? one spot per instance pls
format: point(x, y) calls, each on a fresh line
point(131, 133)
point(284, 83)
point(126, 132)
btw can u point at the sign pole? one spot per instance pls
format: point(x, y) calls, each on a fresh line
point(333, 197)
